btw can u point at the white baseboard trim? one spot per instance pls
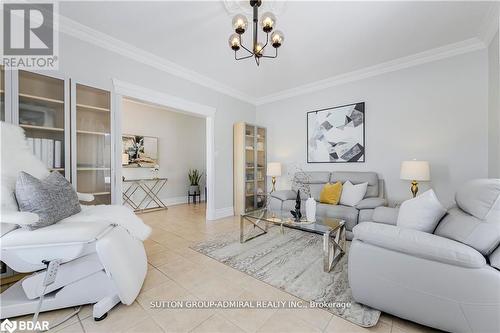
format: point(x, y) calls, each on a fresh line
point(223, 212)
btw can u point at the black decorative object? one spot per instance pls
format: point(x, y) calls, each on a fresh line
point(297, 215)
point(336, 135)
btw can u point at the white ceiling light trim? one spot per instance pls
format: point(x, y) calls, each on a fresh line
point(87, 34)
point(446, 51)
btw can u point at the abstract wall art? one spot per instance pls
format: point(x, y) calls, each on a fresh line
point(336, 135)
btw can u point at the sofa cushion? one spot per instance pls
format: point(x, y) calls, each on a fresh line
point(467, 229)
point(371, 203)
point(52, 198)
point(318, 177)
point(387, 215)
point(349, 214)
point(365, 215)
point(495, 258)
point(315, 191)
point(480, 198)
point(330, 194)
point(357, 178)
point(352, 194)
point(284, 195)
point(419, 244)
point(422, 213)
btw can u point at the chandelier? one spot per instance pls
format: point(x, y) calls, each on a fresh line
point(267, 23)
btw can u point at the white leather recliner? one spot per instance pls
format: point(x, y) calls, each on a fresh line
point(449, 279)
point(94, 260)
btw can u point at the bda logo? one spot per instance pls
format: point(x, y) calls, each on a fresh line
point(8, 326)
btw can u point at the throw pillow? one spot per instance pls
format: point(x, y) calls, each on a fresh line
point(52, 199)
point(422, 213)
point(330, 194)
point(352, 194)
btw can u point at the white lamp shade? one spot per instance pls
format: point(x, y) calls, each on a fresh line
point(274, 169)
point(415, 170)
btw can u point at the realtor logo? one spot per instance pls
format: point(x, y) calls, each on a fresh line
point(29, 38)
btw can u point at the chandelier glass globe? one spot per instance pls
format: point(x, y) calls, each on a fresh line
point(240, 23)
point(267, 21)
point(234, 42)
point(277, 38)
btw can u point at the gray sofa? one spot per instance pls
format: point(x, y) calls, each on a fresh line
point(449, 279)
point(285, 199)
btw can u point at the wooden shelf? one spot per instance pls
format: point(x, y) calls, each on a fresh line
point(43, 99)
point(43, 128)
point(91, 132)
point(91, 107)
point(91, 169)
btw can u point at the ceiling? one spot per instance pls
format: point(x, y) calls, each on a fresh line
point(322, 39)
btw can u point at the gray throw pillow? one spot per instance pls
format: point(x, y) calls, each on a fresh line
point(52, 199)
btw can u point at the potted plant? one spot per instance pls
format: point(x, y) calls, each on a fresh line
point(194, 177)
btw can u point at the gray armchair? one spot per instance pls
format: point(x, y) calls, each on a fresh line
point(449, 279)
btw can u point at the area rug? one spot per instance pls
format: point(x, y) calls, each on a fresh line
point(292, 262)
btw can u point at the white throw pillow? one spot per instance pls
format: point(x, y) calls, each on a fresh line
point(422, 213)
point(352, 194)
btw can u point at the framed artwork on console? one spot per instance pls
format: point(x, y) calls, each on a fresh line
point(337, 134)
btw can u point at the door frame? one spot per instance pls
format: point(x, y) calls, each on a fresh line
point(124, 89)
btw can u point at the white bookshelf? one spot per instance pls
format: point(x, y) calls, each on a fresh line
point(249, 153)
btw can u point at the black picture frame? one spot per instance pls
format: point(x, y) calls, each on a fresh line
point(362, 106)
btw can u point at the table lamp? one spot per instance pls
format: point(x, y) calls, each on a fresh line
point(415, 171)
point(274, 170)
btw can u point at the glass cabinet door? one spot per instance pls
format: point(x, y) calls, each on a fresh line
point(42, 115)
point(93, 142)
point(2, 94)
point(260, 167)
point(250, 172)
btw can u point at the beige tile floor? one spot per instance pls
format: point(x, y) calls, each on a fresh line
point(178, 273)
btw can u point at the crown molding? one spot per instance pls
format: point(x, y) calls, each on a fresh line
point(89, 35)
point(489, 27)
point(486, 33)
point(450, 50)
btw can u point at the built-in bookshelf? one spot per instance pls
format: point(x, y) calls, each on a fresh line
point(249, 167)
point(93, 142)
point(42, 115)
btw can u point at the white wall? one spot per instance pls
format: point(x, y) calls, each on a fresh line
point(494, 109)
point(436, 111)
point(97, 66)
point(181, 146)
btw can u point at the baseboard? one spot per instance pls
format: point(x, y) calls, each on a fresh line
point(221, 213)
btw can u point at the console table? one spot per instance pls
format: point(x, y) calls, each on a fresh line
point(149, 200)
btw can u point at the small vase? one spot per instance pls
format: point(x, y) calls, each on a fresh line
point(311, 210)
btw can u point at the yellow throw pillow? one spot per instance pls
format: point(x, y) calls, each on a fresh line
point(330, 194)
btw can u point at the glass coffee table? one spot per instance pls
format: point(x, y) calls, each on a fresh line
point(332, 230)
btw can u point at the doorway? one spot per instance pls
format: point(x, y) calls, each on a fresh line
point(127, 94)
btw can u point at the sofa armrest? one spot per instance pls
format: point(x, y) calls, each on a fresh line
point(387, 215)
point(371, 203)
point(19, 218)
point(284, 195)
point(85, 197)
point(419, 244)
